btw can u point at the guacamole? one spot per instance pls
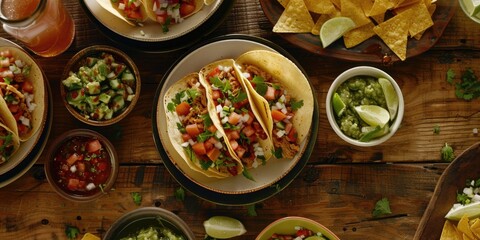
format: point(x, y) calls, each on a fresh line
point(154, 233)
point(356, 91)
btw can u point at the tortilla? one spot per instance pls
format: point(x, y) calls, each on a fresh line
point(38, 114)
point(239, 104)
point(288, 77)
point(150, 8)
point(9, 143)
point(194, 161)
point(115, 5)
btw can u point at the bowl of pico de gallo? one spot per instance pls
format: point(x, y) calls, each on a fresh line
point(81, 165)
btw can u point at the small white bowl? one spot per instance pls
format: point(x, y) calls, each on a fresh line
point(363, 71)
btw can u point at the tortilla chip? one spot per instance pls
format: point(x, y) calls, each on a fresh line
point(358, 35)
point(394, 32)
point(320, 6)
point(449, 231)
point(431, 9)
point(318, 24)
point(284, 3)
point(464, 227)
point(294, 19)
point(420, 18)
point(379, 18)
point(350, 8)
point(405, 3)
point(380, 7)
point(475, 227)
point(336, 3)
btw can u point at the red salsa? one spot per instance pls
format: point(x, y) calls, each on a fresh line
point(81, 166)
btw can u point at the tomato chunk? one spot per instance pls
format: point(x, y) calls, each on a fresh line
point(182, 109)
point(72, 159)
point(186, 9)
point(270, 94)
point(213, 154)
point(193, 130)
point(234, 118)
point(216, 94)
point(278, 115)
point(199, 148)
point(73, 184)
point(94, 146)
point(248, 131)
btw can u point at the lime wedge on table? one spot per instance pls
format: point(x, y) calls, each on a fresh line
point(223, 227)
point(390, 96)
point(338, 105)
point(472, 210)
point(334, 29)
point(373, 115)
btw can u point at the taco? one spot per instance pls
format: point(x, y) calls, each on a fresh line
point(230, 102)
point(9, 143)
point(171, 12)
point(22, 91)
point(194, 133)
point(280, 86)
point(133, 10)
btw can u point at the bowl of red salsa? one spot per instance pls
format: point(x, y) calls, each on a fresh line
point(81, 165)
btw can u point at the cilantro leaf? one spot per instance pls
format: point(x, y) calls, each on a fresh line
point(71, 232)
point(207, 121)
point(247, 174)
point(251, 210)
point(224, 86)
point(436, 129)
point(450, 76)
point(295, 105)
point(137, 198)
point(180, 194)
point(382, 207)
point(447, 153)
point(240, 97)
point(277, 153)
point(171, 106)
point(204, 136)
point(193, 93)
point(260, 86)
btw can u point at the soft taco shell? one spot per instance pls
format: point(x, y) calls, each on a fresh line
point(176, 136)
point(290, 78)
point(151, 13)
point(39, 92)
point(266, 144)
point(12, 147)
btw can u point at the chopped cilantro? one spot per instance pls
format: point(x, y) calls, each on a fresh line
point(447, 153)
point(450, 76)
point(295, 105)
point(171, 106)
point(463, 198)
point(180, 194)
point(181, 128)
point(224, 86)
point(247, 174)
point(202, 137)
point(260, 85)
point(207, 121)
point(137, 198)
point(436, 129)
point(71, 232)
point(468, 87)
point(277, 153)
point(240, 97)
point(192, 93)
point(251, 210)
point(382, 207)
point(205, 164)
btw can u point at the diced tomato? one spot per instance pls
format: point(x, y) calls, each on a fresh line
point(102, 166)
point(13, 108)
point(6, 53)
point(292, 135)
point(253, 138)
point(81, 166)
point(133, 14)
point(234, 118)
point(240, 151)
point(93, 146)
point(233, 170)
point(212, 128)
point(251, 118)
point(213, 73)
point(270, 94)
point(234, 144)
point(182, 109)
point(81, 184)
point(248, 131)
point(101, 178)
point(233, 135)
point(186, 9)
point(186, 137)
point(208, 146)
point(241, 104)
point(27, 86)
point(212, 140)
point(162, 18)
point(288, 127)
point(72, 159)
point(304, 232)
point(73, 184)
point(278, 115)
point(199, 148)
point(193, 129)
point(213, 154)
point(18, 114)
point(216, 94)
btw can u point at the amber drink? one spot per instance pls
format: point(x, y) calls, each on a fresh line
point(44, 26)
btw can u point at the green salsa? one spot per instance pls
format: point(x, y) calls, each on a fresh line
point(152, 228)
point(356, 91)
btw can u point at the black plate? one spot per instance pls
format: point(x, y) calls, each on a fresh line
point(184, 41)
point(244, 198)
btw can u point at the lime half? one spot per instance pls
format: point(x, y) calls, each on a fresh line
point(473, 6)
point(374, 132)
point(373, 115)
point(334, 29)
point(472, 210)
point(390, 96)
point(223, 227)
point(338, 105)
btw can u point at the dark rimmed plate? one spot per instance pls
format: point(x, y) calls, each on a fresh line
point(371, 50)
point(229, 46)
point(158, 44)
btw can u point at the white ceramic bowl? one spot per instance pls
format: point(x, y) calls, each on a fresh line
point(288, 225)
point(365, 71)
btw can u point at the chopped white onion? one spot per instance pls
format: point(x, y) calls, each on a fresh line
point(73, 169)
point(25, 121)
point(280, 133)
point(129, 90)
point(246, 75)
point(218, 134)
point(218, 145)
point(191, 142)
point(111, 75)
point(90, 186)
point(121, 6)
point(185, 144)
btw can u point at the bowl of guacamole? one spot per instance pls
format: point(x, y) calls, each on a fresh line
point(364, 106)
point(149, 223)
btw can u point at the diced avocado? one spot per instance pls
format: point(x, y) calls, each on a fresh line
point(122, 92)
point(92, 101)
point(93, 88)
point(91, 61)
point(115, 84)
point(99, 112)
point(108, 114)
point(118, 103)
point(85, 74)
point(72, 82)
point(110, 92)
point(76, 95)
point(118, 68)
point(128, 78)
point(78, 105)
point(105, 98)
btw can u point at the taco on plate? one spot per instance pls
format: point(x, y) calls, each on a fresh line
point(229, 101)
point(133, 10)
point(194, 132)
point(9, 143)
point(282, 89)
point(171, 12)
point(22, 91)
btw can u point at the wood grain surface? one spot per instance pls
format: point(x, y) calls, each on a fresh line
point(338, 187)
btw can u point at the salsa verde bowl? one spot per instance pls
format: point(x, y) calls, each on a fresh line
point(292, 225)
point(81, 165)
point(100, 85)
point(146, 219)
point(352, 86)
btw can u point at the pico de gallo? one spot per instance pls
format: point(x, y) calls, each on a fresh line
point(282, 107)
point(17, 90)
point(201, 139)
point(301, 233)
point(170, 12)
point(7, 144)
point(81, 166)
point(131, 9)
point(241, 126)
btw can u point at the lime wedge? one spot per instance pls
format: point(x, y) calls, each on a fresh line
point(472, 6)
point(373, 115)
point(334, 29)
point(390, 96)
point(222, 227)
point(374, 132)
point(472, 210)
point(338, 105)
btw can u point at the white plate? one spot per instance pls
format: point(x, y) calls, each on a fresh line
point(264, 176)
point(150, 31)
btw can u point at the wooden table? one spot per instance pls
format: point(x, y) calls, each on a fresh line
point(338, 187)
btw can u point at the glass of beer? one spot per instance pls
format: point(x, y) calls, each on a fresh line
point(44, 26)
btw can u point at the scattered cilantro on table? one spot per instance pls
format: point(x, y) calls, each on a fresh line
point(382, 207)
point(447, 153)
point(468, 88)
point(436, 129)
point(137, 198)
point(179, 194)
point(71, 232)
point(251, 210)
